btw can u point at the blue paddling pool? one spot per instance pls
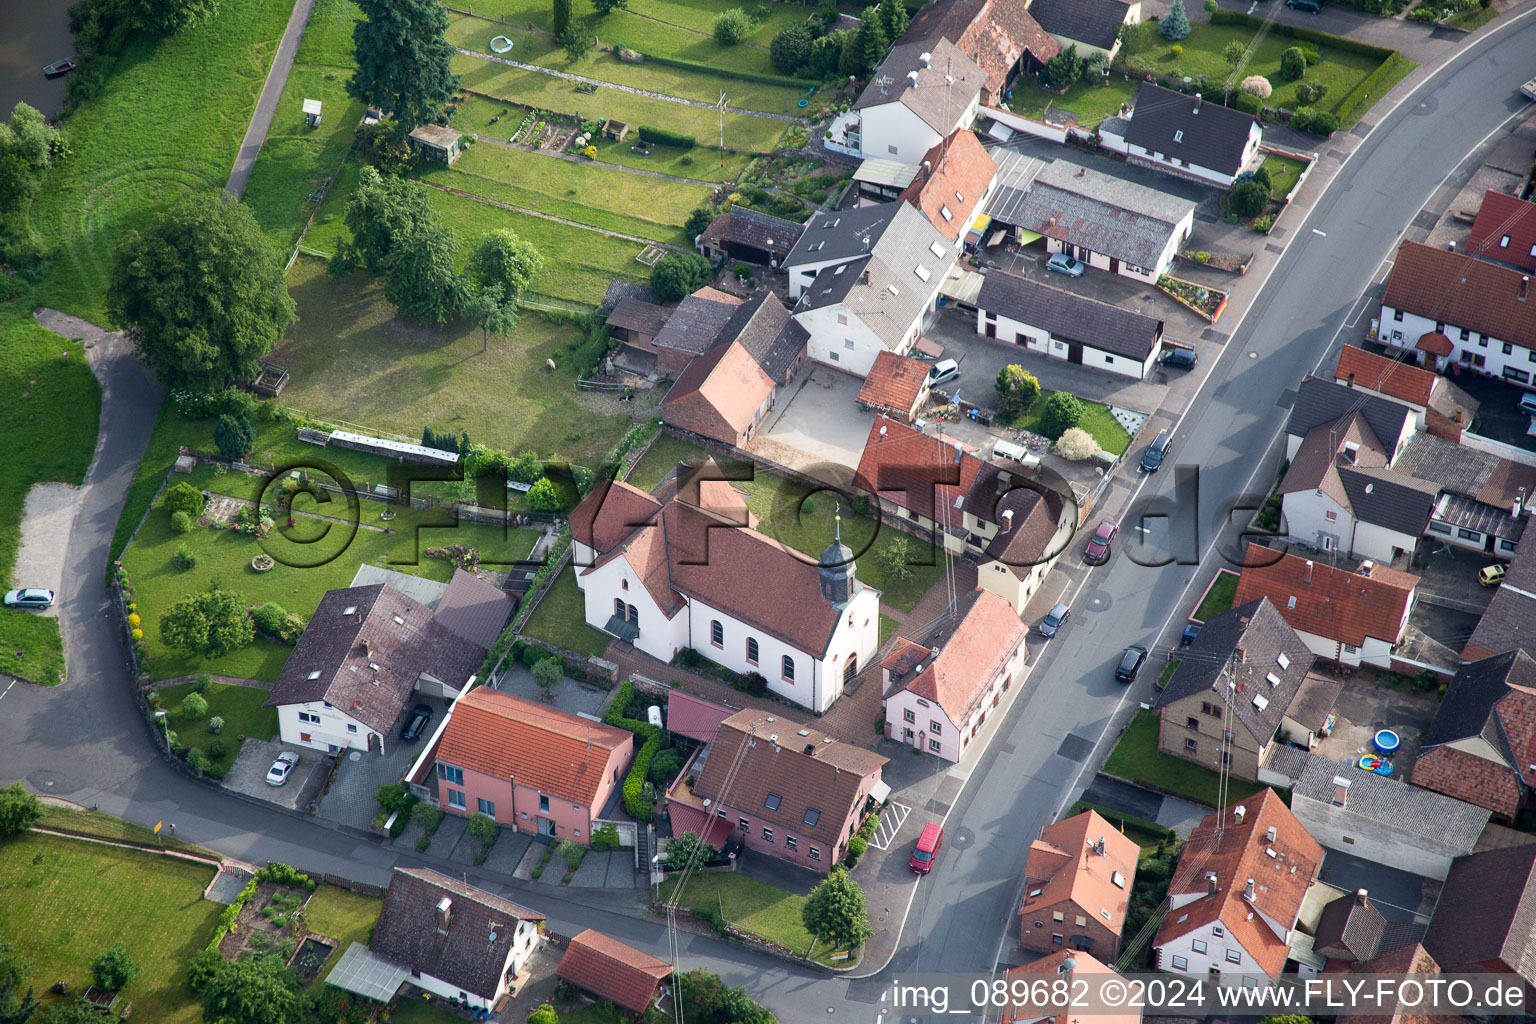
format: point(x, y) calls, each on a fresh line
point(1386, 742)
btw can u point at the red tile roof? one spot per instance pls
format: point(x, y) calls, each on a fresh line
point(1403, 381)
point(718, 395)
point(1317, 598)
point(994, 33)
point(1050, 966)
point(694, 717)
point(1236, 851)
point(961, 173)
point(908, 468)
point(1064, 864)
point(610, 513)
point(905, 655)
point(894, 383)
point(1411, 959)
point(1457, 289)
point(1465, 775)
point(1505, 216)
point(611, 970)
point(987, 636)
point(534, 745)
point(1436, 344)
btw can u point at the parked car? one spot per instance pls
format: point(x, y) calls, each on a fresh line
point(1310, 6)
point(1179, 358)
point(1488, 575)
point(29, 597)
point(283, 767)
point(416, 723)
point(927, 848)
point(1054, 620)
point(1156, 452)
point(1130, 663)
point(1064, 264)
point(942, 372)
point(1097, 551)
point(1190, 632)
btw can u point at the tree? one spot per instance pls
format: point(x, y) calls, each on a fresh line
point(850, 59)
point(14, 969)
point(28, 147)
point(678, 274)
point(527, 468)
point(381, 214)
point(1247, 198)
point(502, 258)
point(1076, 444)
point(492, 312)
point(1257, 85)
point(1017, 390)
point(1175, 24)
point(562, 17)
point(543, 1014)
point(77, 1012)
point(732, 26)
point(606, 7)
point(193, 706)
point(212, 623)
point(679, 850)
point(257, 991)
point(184, 498)
point(1096, 64)
point(403, 60)
point(548, 674)
point(1063, 69)
point(19, 810)
point(1293, 64)
point(576, 43)
point(1062, 412)
point(233, 437)
point(482, 828)
point(202, 293)
point(664, 766)
point(872, 40)
point(895, 559)
point(570, 852)
point(544, 497)
point(1233, 53)
point(420, 278)
point(701, 216)
point(894, 19)
point(114, 969)
point(835, 911)
point(826, 53)
point(789, 51)
point(205, 963)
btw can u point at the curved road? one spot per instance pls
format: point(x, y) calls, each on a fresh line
point(83, 741)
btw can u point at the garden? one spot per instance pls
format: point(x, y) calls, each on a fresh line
point(1218, 597)
point(1137, 759)
point(756, 907)
point(1091, 101)
point(561, 618)
point(218, 722)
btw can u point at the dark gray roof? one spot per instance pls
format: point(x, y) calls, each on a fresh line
point(1350, 928)
point(618, 289)
point(473, 609)
point(695, 324)
point(942, 90)
point(1455, 467)
point(840, 234)
point(1066, 315)
point(1474, 691)
point(1509, 621)
point(464, 955)
point(1315, 701)
point(1094, 22)
point(1265, 637)
point(758, 230)
point(637, 314)
point(1474, 515)
point(1176, 125)
point(768, 333)
point(1109, 215)
point(1320, 401)
point(1487, 912)
point(1394, 802)
point(1389, 499)
point(831, 285)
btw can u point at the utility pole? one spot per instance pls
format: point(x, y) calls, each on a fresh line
point(722, 128)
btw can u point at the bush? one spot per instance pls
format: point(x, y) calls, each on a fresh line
point(184, 558)
point(19, 810)
point(205, 963)
point(427, 816)
point(664, 767)
point(1293, 64)
point(1063, 411)
point(482, 829)
point(570, 852)
point(678, 274)
point(1263, 224)
point(1257, 85)
point(233, 437)
point(790, 49)
point(114, 969)
point(679, 850)
point(732, 26)
point(202, 682)
point(605, 838)
point(1359, 98)
point(1076, 444)
point(196, 759)
point(217, 749)
point(291, 628)
point(181, 522)
point(1211, 6)
point(856, 847)
point(184, 498)
point(269, 617)
point(663, 137)
point(1176, 50)
point(1247, 198)
point(1017, 390)
point(193, 706)
point(393, 797)
point(548, 673)
point(216, 725)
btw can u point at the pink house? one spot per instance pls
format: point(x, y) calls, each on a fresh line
point(526, 765)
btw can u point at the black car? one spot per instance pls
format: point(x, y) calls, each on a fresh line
point(1180, 358)
point(1156, 452)
point(416, 723)
point(1310, 6)
point(1130, 663)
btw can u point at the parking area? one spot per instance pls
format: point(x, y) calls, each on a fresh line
point(248, 773)
point(1449, 579)
point(826, 425)
point(1364, 706)
point(891, 820)
point(1498, 415)
point(360, 774)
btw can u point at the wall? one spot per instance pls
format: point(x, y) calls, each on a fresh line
point(1164, 162)
point(659, 637)
point(477, 785)
point(1306, 521)
point(1038, 339)
point(893, 132)
point(1173, 731)
point(1038, 927)
point(1027, 125)
point(1405, 333)
point(1477, 541)
point(1198, 965)
point(334, 729)
point(1338, 828)
point(831, 338)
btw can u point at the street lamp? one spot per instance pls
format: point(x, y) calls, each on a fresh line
point(656, 875)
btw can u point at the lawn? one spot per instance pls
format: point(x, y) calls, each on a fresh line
point(561, 619)
point(167, 121)
point(1167, 673)
point(1284, 172)
point(757, 907)
point(243, 710)
point(50, 420)
point(419, 1011)
point(1146, 834)
point(1474, 17)
point(343, 915)
point(81, 822)
point(66, 901)
point(1137, 759)
point(328, 34)
point(1097, 420)
point(595, 1013)
point(1219, 598)
point(1092, 102)
point(661, 458)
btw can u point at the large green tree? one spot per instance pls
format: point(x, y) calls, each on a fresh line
point(382, 211)
point(835, 911)
point(14, 1008)
point(211, 623)
point(28, 147)
point(678, 274)
point(492, 312)
point(403, 60)
point(258, 991)
point(201, 293)
point(420, 277)
point(562, 17)
point(502, 258)
point(894, 19)
point(167, 17)
point(872, 39)
point(19, 810)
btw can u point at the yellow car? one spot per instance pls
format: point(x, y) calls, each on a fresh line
point(1491, 575)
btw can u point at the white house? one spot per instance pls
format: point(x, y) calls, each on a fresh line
point(1015, 531)
point(919, 95)
point(936, 700)
point(864, 281)
point(688, 570)
point(1478, 314)
point(1185, 136)
point(1068, 326)
point(1093, 26)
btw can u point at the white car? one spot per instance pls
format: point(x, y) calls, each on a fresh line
point(942, 372)
point(282, 768)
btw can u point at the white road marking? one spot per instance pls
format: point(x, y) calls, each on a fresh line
point(7, 689)
point(886, 833)
point(1324, 234)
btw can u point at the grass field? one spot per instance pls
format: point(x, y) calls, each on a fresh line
point(1090, 101)
point(661, 458)
point(1284, 172)
point(81, 822)
point(50, 419)
point(1137, 759)
point(168, 121)
point(1219, 598)
point(561, 619)
point(328, 34)
point(1097, 420)
point(66, 901)
point(243, 710)
point(342, 915)
point(760, 908)
point(1146, 834)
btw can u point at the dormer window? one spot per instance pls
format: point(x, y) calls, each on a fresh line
point(937, 250)
point(1178, 136)
point(922, 273)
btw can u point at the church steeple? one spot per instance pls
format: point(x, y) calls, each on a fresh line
point(837, 568)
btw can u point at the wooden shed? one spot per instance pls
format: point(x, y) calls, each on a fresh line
point(437, 142)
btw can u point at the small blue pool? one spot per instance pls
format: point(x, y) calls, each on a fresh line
point(1386, 741)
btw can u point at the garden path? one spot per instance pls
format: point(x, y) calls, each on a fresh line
point(600, 163)
point(621, 88)
point(222, 508)
point(549, 216)
point(266, 104)
point(165, 684)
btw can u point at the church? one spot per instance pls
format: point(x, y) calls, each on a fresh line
point(687, 568)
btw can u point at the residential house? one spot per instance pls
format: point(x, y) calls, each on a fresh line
point(1441, 408)
point(607, 969)
point(1065, 325)
point(1509, 621)
point(1066, 965)
point(1185, 136)
point(1479, 308)
point(1077, 885)
point(524, 764)
point(939, 705)
point(780, 788)
point(1505, 231)
point(722, 395)
point(1234, 686)
point(882, 180)
point(864, 281)
point(634, 321)
point(896, 386)
point(763, 327)
point(1350, 929)
point(1485, 921)
point(952, 184)
point(1483, 504)
point(1000, 36)
point(918, 478)
point(1352, 811)
point(1104, 221)
point(1319, 401)
point(1015, 528)
point(1353, 618)
point(919, 95)
point(1093, 26)
point(693, 327)
point(742, 235)
point(452, 939)
point(1481, 745)
point(686, 569)
point(1238, 890)
point(365, 651)
point(1408, 961)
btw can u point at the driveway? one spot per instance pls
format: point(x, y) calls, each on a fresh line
point(826, 424)
point(360, 774)
point(1498, 413)
point(248, 773)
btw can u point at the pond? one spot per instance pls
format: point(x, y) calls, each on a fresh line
point(310, 958)
point(35, 34)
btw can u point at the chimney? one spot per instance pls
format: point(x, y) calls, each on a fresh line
point(926, 59)
point(810, 750)
point(1340, 790)
point(1525, 281)
point(1351, 452)
point(1360, 895)
point(1248, 890)
point(866, 277)
point(1238, 813)
point(1008, 520)
point(1269, 834)
point(1350, 382)
point(1098, 846)
point(1308, 578)
point(1366, 567)
point(1450, 246)
point(933, 652)
point(1197, 103)
point(444, 915)
point(927, 170)
point(1210, 883)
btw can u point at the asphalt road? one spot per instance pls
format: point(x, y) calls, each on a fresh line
point(266, 103)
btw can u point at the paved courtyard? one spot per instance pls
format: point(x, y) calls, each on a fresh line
point(821, 418)
point(360, 774)
point(1364, 707)
point(248, 773)
point(571, 695)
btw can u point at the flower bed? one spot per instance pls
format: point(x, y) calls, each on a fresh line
point(1230, 262)
point(1207, 303)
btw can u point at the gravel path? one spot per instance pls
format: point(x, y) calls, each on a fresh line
point(45, 525)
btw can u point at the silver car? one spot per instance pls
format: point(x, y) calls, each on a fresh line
point(1064, 264)
point(29, 597)
point(282, 768)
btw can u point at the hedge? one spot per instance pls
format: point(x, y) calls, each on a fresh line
point(741, 75)
point(1129, 820)
point(652, 739)
point(1358, 100)
point(1238, 19)
point(662, 137)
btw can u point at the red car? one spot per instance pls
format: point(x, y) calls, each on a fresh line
point(1097, 551)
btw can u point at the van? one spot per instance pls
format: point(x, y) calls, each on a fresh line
point(927, 848)
point(1017, 453)
point(1528, 403)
